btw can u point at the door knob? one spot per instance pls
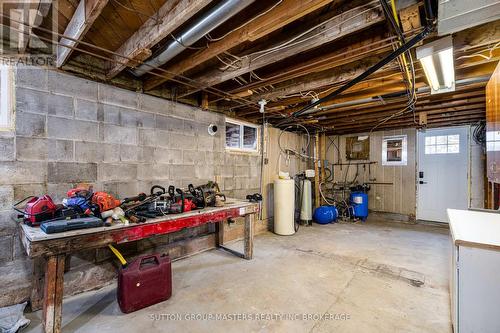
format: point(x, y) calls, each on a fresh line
point(422, 182)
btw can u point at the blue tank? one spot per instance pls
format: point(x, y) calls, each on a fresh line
point(359, 202)
point(325, 214)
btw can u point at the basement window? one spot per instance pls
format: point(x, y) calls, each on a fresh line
point(6, 98)
point(442, 144)
point(394, 150)
point(241, 136)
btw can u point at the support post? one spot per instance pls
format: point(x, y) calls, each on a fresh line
point(322, 155)
point(52, 303)
point(316, 172)
point(37, 289)
point(249, 219)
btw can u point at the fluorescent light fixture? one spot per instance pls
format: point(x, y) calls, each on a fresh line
point(436, 59)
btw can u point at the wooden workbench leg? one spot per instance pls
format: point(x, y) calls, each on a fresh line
point(36, 298)
point(219, 233)
point(249, 219)
point(52, 303)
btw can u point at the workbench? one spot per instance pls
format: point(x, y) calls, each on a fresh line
point(54, 248)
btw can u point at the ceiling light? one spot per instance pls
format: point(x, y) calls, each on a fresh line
point(436, 59)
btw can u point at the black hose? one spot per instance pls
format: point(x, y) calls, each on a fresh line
point(429, 12)
point(402, 49)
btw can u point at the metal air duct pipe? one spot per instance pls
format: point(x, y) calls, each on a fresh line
point(208, 22)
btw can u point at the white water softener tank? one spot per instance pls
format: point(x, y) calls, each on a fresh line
point(306, 204)
point(284, 207)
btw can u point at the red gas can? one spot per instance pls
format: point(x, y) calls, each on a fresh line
point(144, 282)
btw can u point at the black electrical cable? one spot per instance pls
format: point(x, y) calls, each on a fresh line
point(402, 49)
point(479, 133)
point(370, 71)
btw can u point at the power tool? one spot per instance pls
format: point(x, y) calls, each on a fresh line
point(105, 201)
point(206, 195)
point(36, 210)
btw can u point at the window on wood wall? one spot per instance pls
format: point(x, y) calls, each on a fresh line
point(394, 150)
point(6, 98)
point(241, 136)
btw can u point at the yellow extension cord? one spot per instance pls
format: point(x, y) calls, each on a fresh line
point(395, 14)
point(118, 255)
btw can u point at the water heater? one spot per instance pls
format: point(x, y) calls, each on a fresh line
point(306, 204)
point(284, 207)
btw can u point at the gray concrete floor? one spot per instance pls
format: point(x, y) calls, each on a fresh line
point(372, 277)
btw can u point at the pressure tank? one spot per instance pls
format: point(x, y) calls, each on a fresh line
point(359, 202)
point(306, 205)
point(325, 214)
point(284, 207)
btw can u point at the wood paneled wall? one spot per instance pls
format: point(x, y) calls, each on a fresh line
point(399, 195)
point(277, 161)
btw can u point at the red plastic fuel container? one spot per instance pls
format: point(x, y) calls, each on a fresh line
point(144, 282)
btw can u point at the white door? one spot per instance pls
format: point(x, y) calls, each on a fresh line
point(442, 172)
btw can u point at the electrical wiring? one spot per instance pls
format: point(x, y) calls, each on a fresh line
point(488, 57)
point(327, 200)
point(295, 40)
point(133, 10)
point(209, 38)
point(410, 80)
point(479, 133)
point(186, 46)
point(291, 152)
point(171, 76)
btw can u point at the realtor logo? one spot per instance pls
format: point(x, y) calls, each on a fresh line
point(28, 32)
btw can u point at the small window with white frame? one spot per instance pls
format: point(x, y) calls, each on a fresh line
point(241, 136)
point(6, 98)
point(394, 150)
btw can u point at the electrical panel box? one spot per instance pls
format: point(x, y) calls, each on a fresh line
point(358, 148)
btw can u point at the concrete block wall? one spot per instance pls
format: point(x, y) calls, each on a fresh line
point(70, 130)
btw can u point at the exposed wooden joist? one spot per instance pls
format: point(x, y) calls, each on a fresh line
point(463, 41)
point(445, 120)
point(170, 16)
point(467, 70)
point(286, 12)
point(352, 52)
point(408, 121)
point(377, 117)
point(342, 25)
point(83, 18)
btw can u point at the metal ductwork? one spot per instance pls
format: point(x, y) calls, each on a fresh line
point(204, 25)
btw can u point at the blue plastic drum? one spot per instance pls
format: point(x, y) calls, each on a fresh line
point(325, 214)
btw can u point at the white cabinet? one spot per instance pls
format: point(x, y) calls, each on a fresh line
point(475, 271)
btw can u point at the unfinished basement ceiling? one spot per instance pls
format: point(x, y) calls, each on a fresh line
point(288, 52)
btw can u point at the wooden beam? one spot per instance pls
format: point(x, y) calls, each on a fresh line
point(433, 113)
point(286, 12)
point(342, 25)
point(318, 80)
point(83, 18)
point(410, 17)
point(369, 45)
point(451, 121)
point(409, 118)
point(170, 16)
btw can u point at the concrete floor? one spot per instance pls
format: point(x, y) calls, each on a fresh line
point(372, 277)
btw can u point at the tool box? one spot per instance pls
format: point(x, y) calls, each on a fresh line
point(144, 282)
